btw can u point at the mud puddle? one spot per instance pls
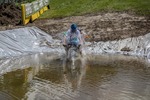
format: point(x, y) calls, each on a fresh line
point(48, 77)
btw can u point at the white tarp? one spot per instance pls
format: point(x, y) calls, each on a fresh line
point(139, 46)
point(24, 41)
point(31, 40)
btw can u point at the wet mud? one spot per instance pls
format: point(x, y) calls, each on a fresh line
point(10, 14)
point(99, 27)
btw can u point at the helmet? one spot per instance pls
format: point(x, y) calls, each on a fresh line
point(73, 27)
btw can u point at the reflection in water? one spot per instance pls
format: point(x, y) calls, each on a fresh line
point(73, 74)
point(47, 76)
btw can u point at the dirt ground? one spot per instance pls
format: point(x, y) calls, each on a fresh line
point(99, 27)
point(10, 14)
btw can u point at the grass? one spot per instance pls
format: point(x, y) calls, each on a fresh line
point(63, 8)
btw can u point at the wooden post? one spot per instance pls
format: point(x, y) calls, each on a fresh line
point(23, 13)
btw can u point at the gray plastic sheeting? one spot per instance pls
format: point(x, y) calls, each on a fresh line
point(32, 40)
point(26, 41)
point(138, 46)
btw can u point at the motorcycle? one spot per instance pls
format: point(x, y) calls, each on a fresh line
point(73, 52)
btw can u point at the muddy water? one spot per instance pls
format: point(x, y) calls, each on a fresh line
point(49, 77)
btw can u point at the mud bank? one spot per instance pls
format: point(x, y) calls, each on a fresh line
point(100, 27)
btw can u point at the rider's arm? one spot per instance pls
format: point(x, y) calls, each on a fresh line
point(80, 38)
point(66, 35)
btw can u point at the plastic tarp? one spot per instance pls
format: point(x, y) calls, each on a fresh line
point(31, 40)
point(138, 46)
point(25, 41)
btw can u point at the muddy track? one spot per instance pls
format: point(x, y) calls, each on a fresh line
point(100, 27)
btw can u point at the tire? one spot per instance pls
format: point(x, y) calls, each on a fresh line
point(72, 53)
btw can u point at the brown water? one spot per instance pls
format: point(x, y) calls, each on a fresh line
point(49, 77)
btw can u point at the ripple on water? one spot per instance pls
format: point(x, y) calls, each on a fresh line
point(103, 77)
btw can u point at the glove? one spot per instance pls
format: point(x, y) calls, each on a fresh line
point(79, 46)
point(64, 45)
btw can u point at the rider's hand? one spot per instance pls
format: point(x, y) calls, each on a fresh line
point(64, 45)
point(79, 45)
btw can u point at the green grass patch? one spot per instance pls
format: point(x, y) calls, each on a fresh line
point(63, 8)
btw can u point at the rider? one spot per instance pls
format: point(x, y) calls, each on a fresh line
point(73, 36)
